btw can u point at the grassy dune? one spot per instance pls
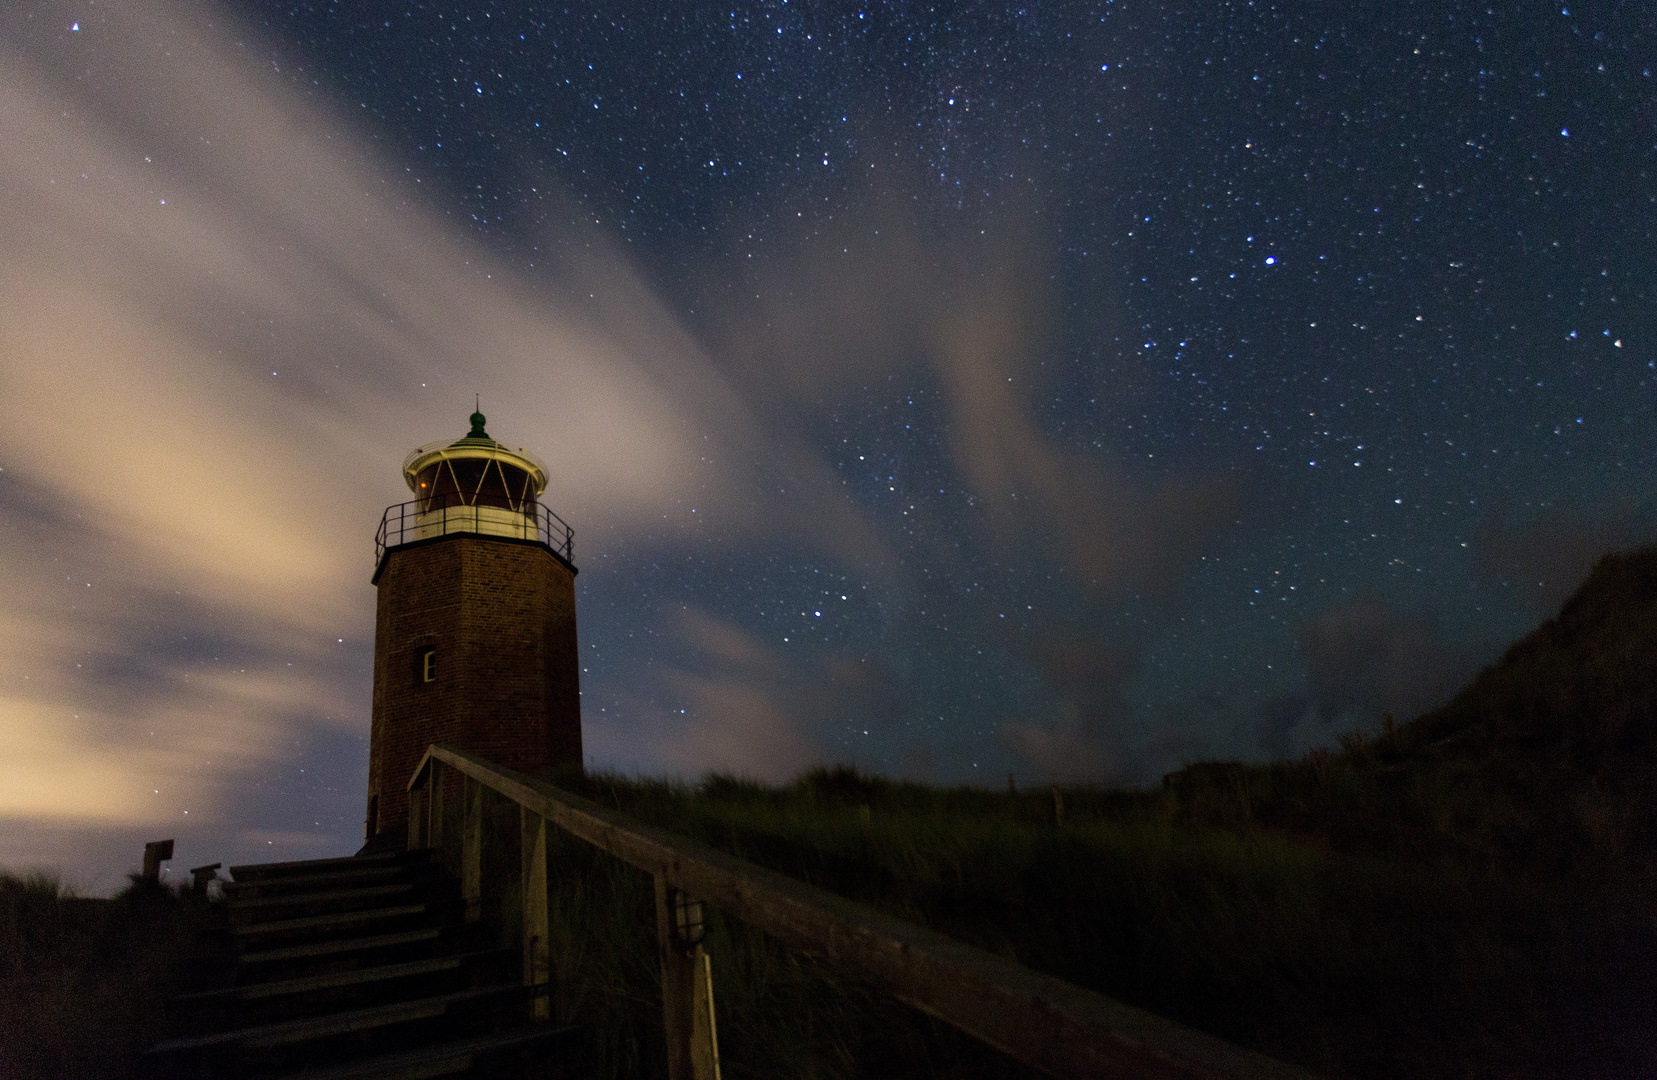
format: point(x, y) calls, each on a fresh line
point(1357, 964)
point(1469, 894)
point(83, 983)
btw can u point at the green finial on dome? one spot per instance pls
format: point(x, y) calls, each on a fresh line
point(477, 419)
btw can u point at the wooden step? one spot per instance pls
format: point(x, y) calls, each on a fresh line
point(344, 946)
point(288, 1032)
point(445, 1059)
point(262, 871)
point(335, 979)
point(344, 920)
point(367, 875)
point(333, 897)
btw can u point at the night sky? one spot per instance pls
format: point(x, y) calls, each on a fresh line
point(1067, 390)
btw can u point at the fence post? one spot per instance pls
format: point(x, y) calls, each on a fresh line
point(537, 965)
point(471, 850)
point(156, 852)
point(687, 986)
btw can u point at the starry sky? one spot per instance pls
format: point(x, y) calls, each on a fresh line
point(1070, 390)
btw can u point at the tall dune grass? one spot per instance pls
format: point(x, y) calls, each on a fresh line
point(1363, 964)
point(84, 983)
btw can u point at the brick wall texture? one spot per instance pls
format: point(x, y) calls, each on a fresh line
point(501, 617)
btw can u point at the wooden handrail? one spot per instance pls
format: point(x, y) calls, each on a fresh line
point(1047, 1023)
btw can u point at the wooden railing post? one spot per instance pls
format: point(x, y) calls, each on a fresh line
point(434, 808)
point(704, 1036)
point(687, 986)
point(471, 849)
point(537, 963)
point(416, 818)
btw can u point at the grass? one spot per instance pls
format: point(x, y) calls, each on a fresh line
point(1468, 894)
point(83, 983)
point(1354, 964)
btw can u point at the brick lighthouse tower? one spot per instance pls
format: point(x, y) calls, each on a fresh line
point(474, 634)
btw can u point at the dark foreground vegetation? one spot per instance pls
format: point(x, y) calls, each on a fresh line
point(1470, 894)
point(84, 982)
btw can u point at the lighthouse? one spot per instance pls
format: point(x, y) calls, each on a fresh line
point(474, 631)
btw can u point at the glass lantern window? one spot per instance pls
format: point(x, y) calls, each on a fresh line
point(474, 482)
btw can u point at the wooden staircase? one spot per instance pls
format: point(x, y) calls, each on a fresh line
point(360, 968)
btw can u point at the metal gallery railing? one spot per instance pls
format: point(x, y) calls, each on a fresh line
point(439, 515)
point(1056, 1027)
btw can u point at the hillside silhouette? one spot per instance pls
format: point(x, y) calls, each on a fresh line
point(1545, 764)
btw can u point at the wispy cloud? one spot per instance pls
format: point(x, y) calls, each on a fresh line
point(223, 321)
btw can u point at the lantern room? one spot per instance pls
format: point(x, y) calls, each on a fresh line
point(475, 471)
point(476, 485)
